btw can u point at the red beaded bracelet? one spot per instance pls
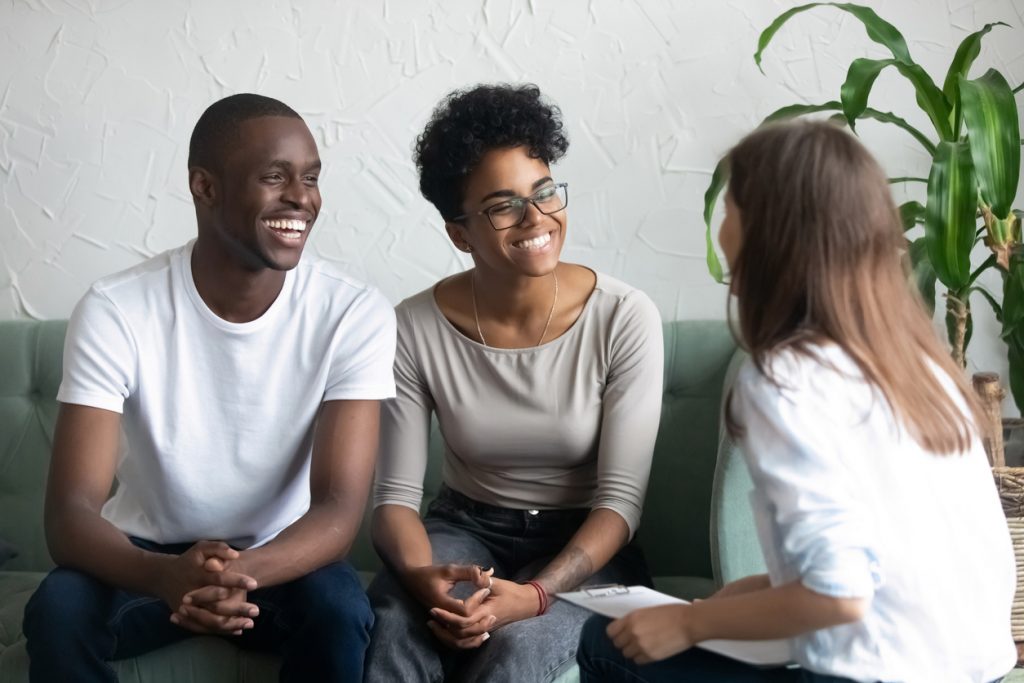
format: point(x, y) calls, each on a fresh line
point(542, 597)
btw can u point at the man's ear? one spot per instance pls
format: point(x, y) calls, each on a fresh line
point(457, 234)
point(202, 185)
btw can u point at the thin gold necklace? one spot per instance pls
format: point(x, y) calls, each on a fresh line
point(476, 317)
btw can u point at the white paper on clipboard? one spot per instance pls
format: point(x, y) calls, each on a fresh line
point(618, 601)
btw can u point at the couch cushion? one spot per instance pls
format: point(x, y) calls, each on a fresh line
point(15, 590)
point(197, 660)
point(30, 371)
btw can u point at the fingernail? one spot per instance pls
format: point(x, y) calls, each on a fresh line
point(254, 612)
point(187, 599)
point(493, 618)
point(174, 618)
point(486, 636)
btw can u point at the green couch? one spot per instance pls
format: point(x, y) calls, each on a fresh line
point(685, 557)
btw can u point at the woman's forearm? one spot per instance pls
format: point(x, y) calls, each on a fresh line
point(601, 535)
point(781, 612)
point(400, 538)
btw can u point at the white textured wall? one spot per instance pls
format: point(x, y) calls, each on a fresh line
point(98, 98)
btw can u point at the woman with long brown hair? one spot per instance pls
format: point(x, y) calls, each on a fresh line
point(888, 555)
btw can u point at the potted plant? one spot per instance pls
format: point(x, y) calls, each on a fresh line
point(972, 183)
point(975, 167)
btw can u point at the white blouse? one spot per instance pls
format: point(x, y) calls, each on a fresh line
point(850, 505)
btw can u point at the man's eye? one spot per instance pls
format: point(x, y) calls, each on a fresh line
point(311, 180)
point(273, 178)
point(545, 194)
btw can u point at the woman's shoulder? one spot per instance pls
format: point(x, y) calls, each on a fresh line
point(613, 297)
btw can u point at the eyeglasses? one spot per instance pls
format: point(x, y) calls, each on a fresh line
point(510, 213)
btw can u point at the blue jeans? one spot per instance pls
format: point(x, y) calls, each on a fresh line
point(517, 543)
point(75, 624)
point(600, 661)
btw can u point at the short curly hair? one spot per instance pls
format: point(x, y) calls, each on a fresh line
point(468, 123)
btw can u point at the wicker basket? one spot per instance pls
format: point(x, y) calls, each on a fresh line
point(1010, 482)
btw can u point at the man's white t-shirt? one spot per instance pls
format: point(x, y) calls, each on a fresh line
point(218, 417)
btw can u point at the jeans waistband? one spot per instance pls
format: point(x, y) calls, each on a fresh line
point(450, 496)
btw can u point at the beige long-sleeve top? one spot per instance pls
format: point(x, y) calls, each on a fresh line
point(567, 424)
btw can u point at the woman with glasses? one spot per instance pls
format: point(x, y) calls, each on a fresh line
point(546, 381)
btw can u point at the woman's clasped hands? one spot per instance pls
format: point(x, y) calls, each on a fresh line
point(468, 623)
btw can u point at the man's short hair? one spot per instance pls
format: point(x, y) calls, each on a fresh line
point(218, 125)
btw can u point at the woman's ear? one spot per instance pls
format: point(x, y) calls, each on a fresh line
point(202, 185)
point(457, 234)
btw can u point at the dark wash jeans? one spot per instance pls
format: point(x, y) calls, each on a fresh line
point(517, 543)
point(601, 662)
point(74, 625)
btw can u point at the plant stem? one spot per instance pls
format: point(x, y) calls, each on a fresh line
point(957, 309)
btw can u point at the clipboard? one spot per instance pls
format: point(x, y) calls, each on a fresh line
point(615, 601)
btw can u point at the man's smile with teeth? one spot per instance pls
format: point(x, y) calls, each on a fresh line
point(534, 243)
point(295, 225)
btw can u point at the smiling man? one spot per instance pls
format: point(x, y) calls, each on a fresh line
point(246, 382)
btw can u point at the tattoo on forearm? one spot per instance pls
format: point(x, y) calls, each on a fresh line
point(567, 571)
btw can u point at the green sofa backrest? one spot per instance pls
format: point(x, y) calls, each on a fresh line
point(30, 367)
point(675, 527)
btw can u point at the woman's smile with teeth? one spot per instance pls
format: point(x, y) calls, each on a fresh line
point(534, 243)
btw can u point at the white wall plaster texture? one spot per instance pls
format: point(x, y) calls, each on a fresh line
point(98, 98)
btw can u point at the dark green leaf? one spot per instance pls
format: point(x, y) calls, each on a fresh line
point(1013, 301)
point(878, 29)
point(950, 213)
point(968, 51)
point(924, 274)
point(1015, 357)
point(907, 179)
point(911, 213)
point(860, 78)
point(985, 265)
point(993, 129)
point(997, 310)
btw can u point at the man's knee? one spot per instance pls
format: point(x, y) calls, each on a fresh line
point(334, 598)
point(66, 596)
point(67, 601)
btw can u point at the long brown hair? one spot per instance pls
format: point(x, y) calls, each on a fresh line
point(821, 260)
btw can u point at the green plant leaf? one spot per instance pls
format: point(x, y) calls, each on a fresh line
point(1015, 371)
point(1013, 301)
point(907, 179)
point(950, 213)
point(718, 181)
point(911, 213)
point(923, 273)
point(993, 130)
point(970, 48)
point(720, 177)
point(997, 310)
point(879, 30)
point(860, 78)
point(889, 117)
point(985, 265)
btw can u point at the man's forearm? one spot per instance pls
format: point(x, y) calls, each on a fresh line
point(323, 535)
point(79, 538)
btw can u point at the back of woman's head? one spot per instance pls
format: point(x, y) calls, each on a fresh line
point(823, 259)
point(468, 123)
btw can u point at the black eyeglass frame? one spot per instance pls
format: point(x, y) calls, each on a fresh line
point(531, 199)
